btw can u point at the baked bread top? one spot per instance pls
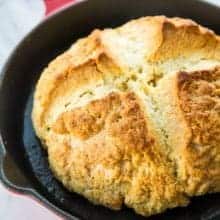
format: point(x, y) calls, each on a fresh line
point(132, 115)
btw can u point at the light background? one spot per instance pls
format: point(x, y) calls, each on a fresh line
point(17, 17)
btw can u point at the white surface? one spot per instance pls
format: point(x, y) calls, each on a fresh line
point(217, 2)
point(17, 207)
point(17, 17)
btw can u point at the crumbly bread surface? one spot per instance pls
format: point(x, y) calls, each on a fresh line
point(131, 115)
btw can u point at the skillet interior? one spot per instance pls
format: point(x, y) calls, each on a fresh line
point(24, 166)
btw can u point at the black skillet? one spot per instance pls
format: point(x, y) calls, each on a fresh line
point(23, 163)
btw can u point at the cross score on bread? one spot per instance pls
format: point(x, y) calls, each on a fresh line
point(132, 115)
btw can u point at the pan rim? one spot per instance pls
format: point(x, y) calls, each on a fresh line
point(31, 192)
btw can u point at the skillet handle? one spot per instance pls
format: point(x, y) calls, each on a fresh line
point(13, 179)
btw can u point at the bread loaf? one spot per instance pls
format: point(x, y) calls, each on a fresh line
point(131, 115)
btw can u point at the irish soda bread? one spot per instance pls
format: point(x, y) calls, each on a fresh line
point(131, 115)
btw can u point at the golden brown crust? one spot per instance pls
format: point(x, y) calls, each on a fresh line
point(131, 115)
point(186, 36)
point(120, 143)
point(200, 102)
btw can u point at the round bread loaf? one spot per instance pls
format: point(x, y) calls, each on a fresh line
point(131, 115)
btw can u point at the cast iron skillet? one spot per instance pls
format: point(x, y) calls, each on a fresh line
point(23, 163)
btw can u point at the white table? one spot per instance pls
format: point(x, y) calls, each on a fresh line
point(13, 28)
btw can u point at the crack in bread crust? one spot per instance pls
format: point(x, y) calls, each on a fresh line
point(126, 117)
point(113, 136)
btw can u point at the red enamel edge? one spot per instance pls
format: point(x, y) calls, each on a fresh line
point(54, 5)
